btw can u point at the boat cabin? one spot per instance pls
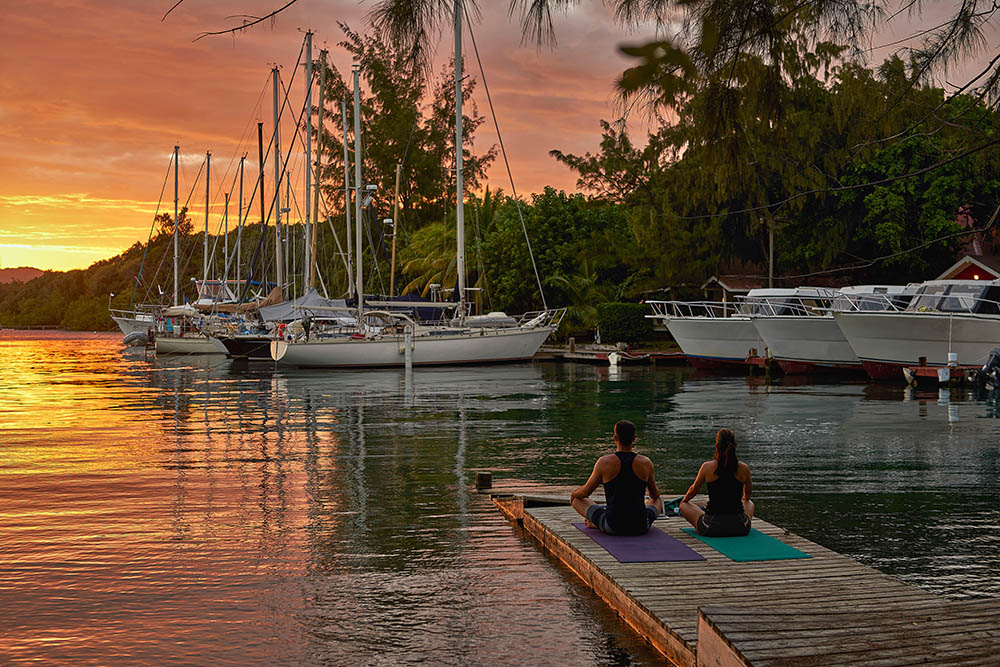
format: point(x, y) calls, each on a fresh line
point(211, 292)
point(785, 302)
point(874, 298)
point(958, 296)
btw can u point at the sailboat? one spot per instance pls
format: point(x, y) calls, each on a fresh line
point(386, 338)
point(179, 328)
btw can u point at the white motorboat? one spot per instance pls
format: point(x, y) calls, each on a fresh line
point(716, 334)
point(958, 317)
point(801, 335)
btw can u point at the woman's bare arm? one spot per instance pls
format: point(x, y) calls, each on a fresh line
point(695, 486)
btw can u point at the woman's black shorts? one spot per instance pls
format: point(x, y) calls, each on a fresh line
point(723, 525)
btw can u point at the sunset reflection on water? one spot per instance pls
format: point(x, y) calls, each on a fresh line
point(191, 510)
point(182, 510)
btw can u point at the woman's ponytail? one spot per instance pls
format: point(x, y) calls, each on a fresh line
point(725, 452)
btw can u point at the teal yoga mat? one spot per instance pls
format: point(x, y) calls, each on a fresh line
point(755, 546)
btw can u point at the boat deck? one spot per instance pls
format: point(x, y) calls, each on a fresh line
point(828, 609)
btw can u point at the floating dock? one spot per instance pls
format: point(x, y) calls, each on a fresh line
point(600, 354)
point(824, 610)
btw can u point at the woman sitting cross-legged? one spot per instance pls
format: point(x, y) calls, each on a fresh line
point(729, 508)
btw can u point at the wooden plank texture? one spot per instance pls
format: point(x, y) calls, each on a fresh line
point(824, 610)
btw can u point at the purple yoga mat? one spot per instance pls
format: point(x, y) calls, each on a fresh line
point(653, 547)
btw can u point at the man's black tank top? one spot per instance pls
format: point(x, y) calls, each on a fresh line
point(626, 497)
point(725, 495)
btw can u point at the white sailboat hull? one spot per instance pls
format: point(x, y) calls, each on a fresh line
point(888, 342)
point(806, 344)
point(198, 344)
point(138, 323)
point(477, 347)
point(713, 341)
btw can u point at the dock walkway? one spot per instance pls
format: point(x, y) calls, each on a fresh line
point(828, 609)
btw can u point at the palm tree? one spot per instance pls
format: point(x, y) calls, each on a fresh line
point(428, 256)
point(584, 294)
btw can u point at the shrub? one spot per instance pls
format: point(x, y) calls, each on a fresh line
point(624, 322)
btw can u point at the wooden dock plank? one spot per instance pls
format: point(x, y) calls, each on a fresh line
point(937, 631)
point(821, 610)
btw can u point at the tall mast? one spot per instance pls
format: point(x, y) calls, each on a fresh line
point(287, 239)
point(459, 185)
point(319, 160)
point(307, 250)
point(278, 266)
point(176, 224)
point(239, 228)
point(359, 281)
point(395, 230)
point(260, 182)
point(347, 199)
point(225, 243)
point(204, 261)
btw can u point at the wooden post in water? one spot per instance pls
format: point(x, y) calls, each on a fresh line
point(484, 480)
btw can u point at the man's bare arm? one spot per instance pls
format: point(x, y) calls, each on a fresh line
point(590, 485)
point(654, 491)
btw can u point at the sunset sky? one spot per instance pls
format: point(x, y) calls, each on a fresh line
point(94, 94)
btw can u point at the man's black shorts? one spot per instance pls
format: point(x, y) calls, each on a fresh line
point(598, 515)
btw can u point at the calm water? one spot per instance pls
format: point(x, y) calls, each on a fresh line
point(189, 511)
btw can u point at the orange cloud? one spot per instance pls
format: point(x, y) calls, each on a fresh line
point(94, 94)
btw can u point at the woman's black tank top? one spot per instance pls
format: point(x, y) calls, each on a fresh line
point(626, 497)
point(725, 495)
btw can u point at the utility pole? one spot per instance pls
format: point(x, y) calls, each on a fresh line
point(770, 253)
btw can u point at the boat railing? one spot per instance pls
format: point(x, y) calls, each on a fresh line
point(955, 303)
point(869, 303)
point(786, 306)
point(131, 314)
point(714, 309)
point(542, 318)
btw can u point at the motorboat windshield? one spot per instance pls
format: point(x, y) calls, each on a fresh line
point(801, 301)
point(978, 297)
point(874, 298)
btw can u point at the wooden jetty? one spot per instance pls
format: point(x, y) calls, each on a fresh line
point(823, 610)
point(939, 375)
point(600, 354)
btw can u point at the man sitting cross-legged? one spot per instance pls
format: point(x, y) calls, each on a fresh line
point(626, 475)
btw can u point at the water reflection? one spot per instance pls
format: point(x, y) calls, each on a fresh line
point(197, 510)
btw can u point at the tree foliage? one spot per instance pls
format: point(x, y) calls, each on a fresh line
point(408, 119)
